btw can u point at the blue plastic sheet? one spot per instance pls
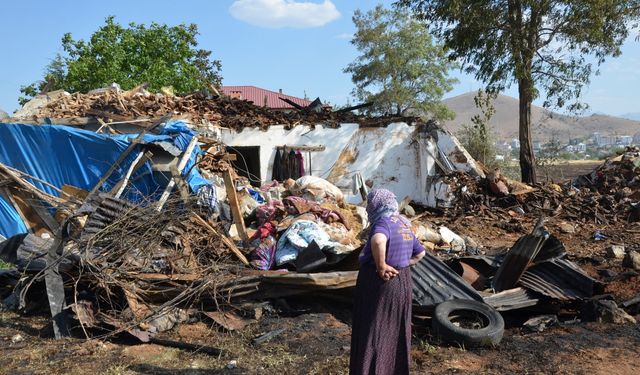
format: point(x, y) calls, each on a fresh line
point(63, 155)
point(10, 221)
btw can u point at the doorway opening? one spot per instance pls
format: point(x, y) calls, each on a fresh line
point(247, 162)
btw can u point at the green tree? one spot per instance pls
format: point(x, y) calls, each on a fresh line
point(400, 70)
point(549, 45)
point(478, 137)
point(159, 55)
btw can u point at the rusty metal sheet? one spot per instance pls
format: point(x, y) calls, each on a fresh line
point(559, 278)
point(434, 282)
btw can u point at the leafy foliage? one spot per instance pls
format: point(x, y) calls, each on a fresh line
point(159, 55)
point(400, 69)
point(478, 138)
point(549, 45)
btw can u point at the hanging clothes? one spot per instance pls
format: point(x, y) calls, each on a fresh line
point(358, 183)
point(300, 159)
point(293, 165)
point(284, 162)
point(276, 173)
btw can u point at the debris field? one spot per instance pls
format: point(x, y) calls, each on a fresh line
point(143, 235)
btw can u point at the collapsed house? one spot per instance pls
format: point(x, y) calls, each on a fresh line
point(128, 221)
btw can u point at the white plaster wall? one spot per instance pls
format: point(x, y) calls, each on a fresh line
point(457, 154)
point(333, 139)
point(388, 156)
point(385, 155)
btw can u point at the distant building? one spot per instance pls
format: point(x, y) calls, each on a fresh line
point(537, 146)
point(570, 148)
point(515, 143)
point(603, 140)
point(264, 98)
point(503, 146)
point(581, 147)
point(625, 140)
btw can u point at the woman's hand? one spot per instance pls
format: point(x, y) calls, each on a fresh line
point(386, 272)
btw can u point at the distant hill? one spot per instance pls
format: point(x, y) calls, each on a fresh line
point(632, 116)
point(545, 123)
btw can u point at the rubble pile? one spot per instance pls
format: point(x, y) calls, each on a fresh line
point(114, 105)
point(131, 255)
point(160, 228)
point(609, 194)
point(618, 176)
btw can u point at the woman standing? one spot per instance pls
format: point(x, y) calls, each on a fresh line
point(381, 328)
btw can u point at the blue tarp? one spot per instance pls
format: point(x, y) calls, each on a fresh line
point(63, 155)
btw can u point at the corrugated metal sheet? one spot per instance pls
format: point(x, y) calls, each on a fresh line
point(512, 299)
point(434, 282)
point(559, 278)
point(517, 260)
point(258, 95)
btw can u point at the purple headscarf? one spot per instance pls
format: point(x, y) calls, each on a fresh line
point(381, 203)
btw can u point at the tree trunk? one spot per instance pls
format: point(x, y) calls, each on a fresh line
point(527, 158)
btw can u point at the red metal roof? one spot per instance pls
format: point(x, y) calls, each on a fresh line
point(258, 95)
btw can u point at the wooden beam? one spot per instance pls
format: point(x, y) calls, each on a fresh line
point(126, 153)
point(224, 238)
point(304, 147)
point(183, 188)
point(21, 183)
point(235, 205)
point(181, 164)
point(9, 197)
point(46, 217)
point(137, 163)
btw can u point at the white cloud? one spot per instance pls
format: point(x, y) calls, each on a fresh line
point(284, 13)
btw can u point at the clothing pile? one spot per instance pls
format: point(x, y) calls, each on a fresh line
point(297, 233)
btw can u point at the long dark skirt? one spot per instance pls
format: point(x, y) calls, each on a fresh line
point(381, 328)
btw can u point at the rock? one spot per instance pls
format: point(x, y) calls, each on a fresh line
point(455, 242)
point(499, 188)
point(17, 338)
point(596, 259)
point(632, 260)
point(567, 228)
point(540, 323)
point(609, 274)
point(605, 311)
point(361, 213)
point(3, 115)
point(616, 252)
point(409, 211)
point(232, 364)
point(471, 245)
point(624, 276)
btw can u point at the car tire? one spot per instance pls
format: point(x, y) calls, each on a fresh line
point(468, 323)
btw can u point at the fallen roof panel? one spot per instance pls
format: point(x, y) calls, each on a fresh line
point(559, 278)
point(434, 282)
point(517, 260)
point(512, 299)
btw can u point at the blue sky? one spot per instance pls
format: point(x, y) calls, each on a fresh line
point(298, 46)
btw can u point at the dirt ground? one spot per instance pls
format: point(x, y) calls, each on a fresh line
point(565, 170)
